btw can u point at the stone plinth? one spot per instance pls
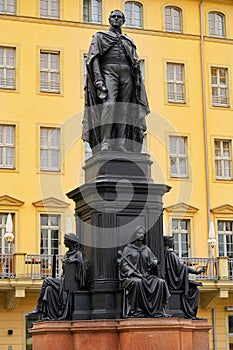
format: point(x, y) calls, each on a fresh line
point(118, 195)
point(127, 334)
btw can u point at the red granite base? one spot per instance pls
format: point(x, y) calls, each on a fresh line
point(128, 334)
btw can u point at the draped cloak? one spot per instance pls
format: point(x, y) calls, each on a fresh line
point(176, 276)
point(54, 302)
point(146, 296)
point(136, 124)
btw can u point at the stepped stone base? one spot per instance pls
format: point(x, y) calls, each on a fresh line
point(127, 334)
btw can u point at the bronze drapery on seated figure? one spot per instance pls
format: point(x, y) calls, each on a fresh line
point(176, 276)
point(115, 97)
point(55, 300)
point(145, 293)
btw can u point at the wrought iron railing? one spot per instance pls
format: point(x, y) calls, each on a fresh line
point(230, 268)
point(211, 265)
point(6, 266)
point(41, 266)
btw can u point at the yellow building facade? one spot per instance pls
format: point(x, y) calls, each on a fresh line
point(186, 48)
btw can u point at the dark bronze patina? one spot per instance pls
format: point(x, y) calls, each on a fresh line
point(115, 98)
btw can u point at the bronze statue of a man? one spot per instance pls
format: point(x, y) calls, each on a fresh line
point(115, 98)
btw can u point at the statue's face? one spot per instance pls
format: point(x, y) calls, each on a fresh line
point(67, 242)
point(116, 19)
point(140, 234)
point(171, 243)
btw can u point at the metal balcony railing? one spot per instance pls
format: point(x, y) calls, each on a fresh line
point(211, 265)
point(230, 268)
point(41, 266)
point(6, 266)
point(38, 266)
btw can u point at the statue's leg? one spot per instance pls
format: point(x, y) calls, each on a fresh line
point(110, 74)
point(125, 97)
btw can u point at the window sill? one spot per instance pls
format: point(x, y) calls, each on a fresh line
point(8, 170)
point(50, 93)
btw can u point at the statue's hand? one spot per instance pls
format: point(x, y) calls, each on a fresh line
point(202, 269)
point(139, 275)
point(101, 85)
point(154, 262)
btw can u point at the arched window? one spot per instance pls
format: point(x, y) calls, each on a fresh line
point(216, 24)
point(173, 19)
point(133, 14)
point(92, 10)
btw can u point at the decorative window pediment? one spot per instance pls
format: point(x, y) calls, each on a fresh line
point(10, 201)
point(50, 202)
point(181, 209)
point(223, 209)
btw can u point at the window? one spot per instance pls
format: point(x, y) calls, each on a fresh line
point(49, 9)
point(219, 86)
point(29, 320)
point(49, 241)
point(230, 331)
point(7, 68)
point(50, 149)
point(49, 234)
point(7, 146)
point(133, 14)
point(181, 233)
point(178, 156)
point(222, 152)
point(175, 83)
point(5, 247)
point(173, 19)
point(225, 238)
point(216, 24)
point(8, 7)
point(50, 72)
point(92, 11)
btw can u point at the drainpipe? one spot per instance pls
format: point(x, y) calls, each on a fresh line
point(206, 149)
point(214, 327)
point(204, 117)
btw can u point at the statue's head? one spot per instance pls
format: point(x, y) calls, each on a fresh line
point(139, 234)
point(116, 18)
point(168, 241)
point(71, 237)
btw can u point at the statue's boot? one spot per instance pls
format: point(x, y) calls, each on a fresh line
point(106, 133)
point(121, 140)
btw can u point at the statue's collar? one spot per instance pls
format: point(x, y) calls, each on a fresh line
point(112, 30)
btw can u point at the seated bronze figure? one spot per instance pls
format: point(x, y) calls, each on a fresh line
point(145, 293)
point(55, 300)
point(176, 276)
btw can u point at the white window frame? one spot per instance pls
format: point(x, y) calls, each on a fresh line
point(7, 146)
point(92, 13)
point(219, 84)
point(177, 156)
point(130, 16)
point(223, 159)
point(8, 65)
point(170, 24)
point(49, 11)
point(49, 228)
point(50, 85)
point(225, 234)
point(180, 232)
point(48, 148)
point(214, 19)
point(8, 7)
point(175, 82)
